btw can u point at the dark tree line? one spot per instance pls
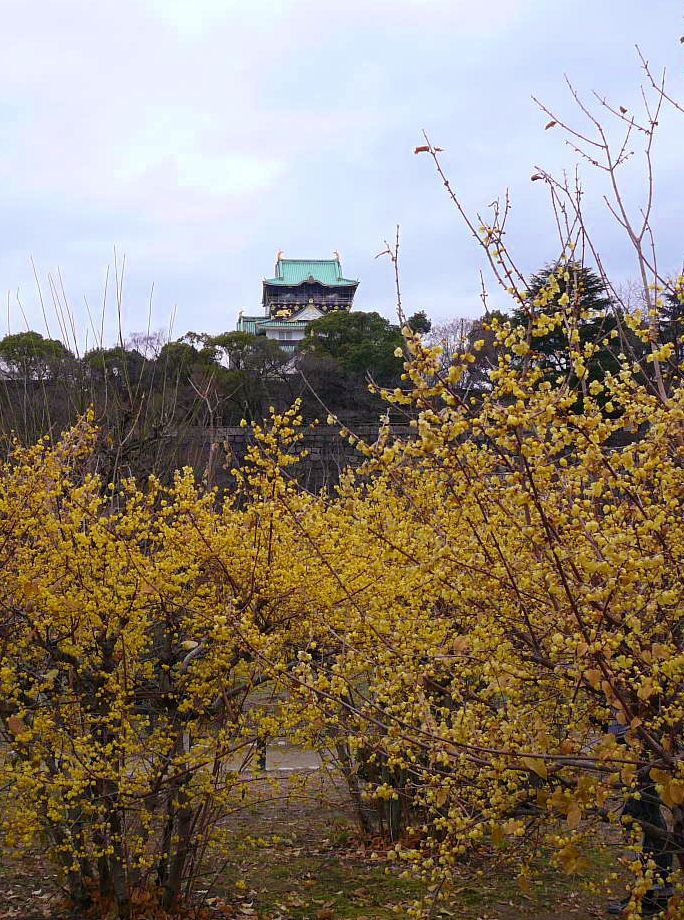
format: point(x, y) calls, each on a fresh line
point(153, 399)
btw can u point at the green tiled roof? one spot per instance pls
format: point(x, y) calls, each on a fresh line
point(291, 272)
point(283, 324)
point(248, 323)
point(256, 324)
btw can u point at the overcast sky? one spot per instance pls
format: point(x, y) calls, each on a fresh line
point(199, 137)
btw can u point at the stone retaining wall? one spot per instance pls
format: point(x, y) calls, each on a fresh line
point(328, 452)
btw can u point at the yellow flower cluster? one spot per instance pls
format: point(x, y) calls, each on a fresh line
point(462, 621)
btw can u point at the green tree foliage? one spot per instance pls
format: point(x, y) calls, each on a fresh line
point(419, 322)
point(179, 358)
point(249, 368)
point(671, 325)
point(30, 356)
point(122, 364)
point(362, 343)
point(578, 298)
point(245, 352)
point(152, 399)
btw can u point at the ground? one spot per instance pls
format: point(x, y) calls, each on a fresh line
point(302, 859)
point(296, 855)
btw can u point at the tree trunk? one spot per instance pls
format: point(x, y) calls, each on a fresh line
point(363, 813)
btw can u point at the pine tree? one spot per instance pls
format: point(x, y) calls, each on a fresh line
point(578, 297)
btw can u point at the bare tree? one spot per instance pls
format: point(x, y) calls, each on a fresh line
point(148, 344)
point(592, 141)
point(452, 336)
point(592, 138)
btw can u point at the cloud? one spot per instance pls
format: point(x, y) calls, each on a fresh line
point(200, 136)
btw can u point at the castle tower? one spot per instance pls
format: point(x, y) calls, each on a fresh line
point(302, 284)
point(300, 291)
